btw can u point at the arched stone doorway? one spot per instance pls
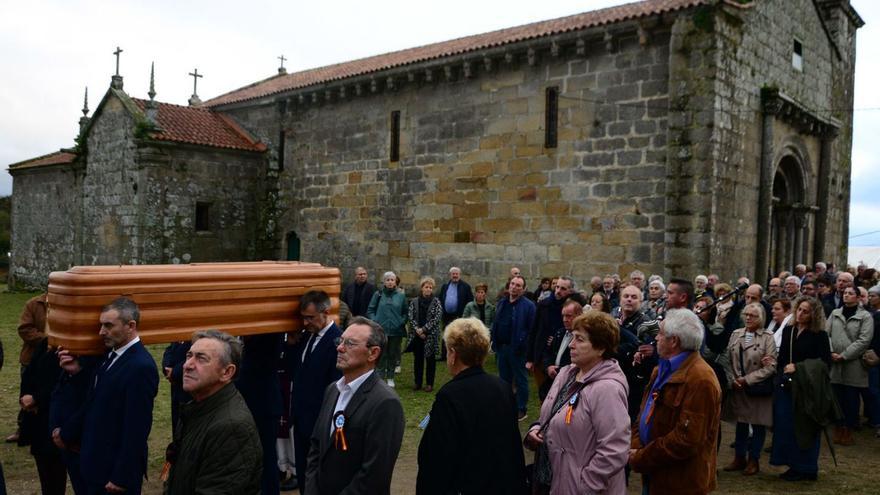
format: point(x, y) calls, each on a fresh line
point(791, 217)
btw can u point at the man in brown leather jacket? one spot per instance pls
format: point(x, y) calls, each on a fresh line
point(674, 441)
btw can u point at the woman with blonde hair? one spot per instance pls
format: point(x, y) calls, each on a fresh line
point(471, 444)
point(803, 340)
point(423, 324)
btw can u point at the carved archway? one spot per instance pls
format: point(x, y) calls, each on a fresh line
point(791, 215)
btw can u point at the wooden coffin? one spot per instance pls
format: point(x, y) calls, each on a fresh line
point(177, 300)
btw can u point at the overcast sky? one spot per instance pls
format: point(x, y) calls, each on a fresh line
point(51, 50)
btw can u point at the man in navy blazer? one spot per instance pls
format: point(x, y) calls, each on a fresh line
point(312, 367)
point(113, 425)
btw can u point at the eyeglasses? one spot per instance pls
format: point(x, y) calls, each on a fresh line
point(749, 315)
point(348, 343)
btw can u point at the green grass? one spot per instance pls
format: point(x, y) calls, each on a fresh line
point(858, 472)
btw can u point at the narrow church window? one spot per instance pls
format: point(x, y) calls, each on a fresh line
point(281, 139)
point(551, 115)
point(797, 56)
point(203, 217)
point(395, 136)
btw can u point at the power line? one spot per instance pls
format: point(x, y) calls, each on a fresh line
point(864, 234)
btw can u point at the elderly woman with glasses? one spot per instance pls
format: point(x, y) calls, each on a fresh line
point(471, 443)
point(750, 401)
point(584, 430)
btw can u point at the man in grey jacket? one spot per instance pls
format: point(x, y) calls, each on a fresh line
point(217, 448)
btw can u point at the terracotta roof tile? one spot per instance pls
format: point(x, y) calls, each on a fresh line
point(200, 126)
point(286, 82)
point(56, 158)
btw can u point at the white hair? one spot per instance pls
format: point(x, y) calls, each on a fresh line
point(655, 278)
point(389, 274)
point(794, 279)
point(455, 269)
point(686, 325)
point(658, 282)
point(701, 278)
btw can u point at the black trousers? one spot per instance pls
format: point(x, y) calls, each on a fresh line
point(53, 474)
point(419, 359)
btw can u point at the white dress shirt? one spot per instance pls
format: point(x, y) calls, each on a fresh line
point(346, 392)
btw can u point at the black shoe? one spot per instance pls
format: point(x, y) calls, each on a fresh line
point(289, 485)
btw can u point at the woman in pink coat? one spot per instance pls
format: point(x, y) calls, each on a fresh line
point(584, 423)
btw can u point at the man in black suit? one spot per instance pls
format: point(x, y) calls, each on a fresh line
point(360, 427)
point(172, 367)
point(834, 300)
point(113, 425)
point(454, 295)
point(357, 295)
point(257, 382)
point(557, 355)
point(312, 367)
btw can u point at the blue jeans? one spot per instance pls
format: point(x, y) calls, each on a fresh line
point(512, 369)
point(744, 445)
point(871, 396)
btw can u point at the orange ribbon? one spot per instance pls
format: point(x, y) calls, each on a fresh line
point(654, 396)
point(340, 440)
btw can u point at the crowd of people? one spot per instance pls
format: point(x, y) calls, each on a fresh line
point(632, 375)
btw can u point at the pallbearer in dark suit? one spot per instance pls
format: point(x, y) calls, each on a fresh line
point(312, 367)
point(472, 442)
point(257, 382)
point(113, 425)
point(360, 427)
point(172, 367)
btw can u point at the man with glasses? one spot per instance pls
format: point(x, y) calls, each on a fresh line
point(359, 429)
point(312, 367)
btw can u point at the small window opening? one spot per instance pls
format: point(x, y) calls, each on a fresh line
point(797, 56)
point(282, 136)
point(203, 216)
point(395, 136)
point(551, 115)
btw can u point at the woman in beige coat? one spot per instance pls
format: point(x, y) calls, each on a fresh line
point(850, 330)
point(747, 348)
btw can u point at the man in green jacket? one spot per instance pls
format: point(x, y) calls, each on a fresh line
point(216, 448)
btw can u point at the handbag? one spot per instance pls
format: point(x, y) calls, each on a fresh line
point(540, 473)
point(870, 359)
point(764, 388)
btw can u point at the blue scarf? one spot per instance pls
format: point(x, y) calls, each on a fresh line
point(666, 368)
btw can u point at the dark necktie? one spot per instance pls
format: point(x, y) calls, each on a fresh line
point(311, 345)
point(109, 361)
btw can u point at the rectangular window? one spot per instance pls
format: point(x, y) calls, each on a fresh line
point(281, 138)
point(395, 136)
point(203, 216)
point(551, 116)
point(797, 56)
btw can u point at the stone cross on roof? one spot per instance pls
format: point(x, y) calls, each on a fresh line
point(282, 70)
point(116, 80)
point(117, 52)
point(194, 99)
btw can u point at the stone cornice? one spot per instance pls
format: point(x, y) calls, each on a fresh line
point(787, 109)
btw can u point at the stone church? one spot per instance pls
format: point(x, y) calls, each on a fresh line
point(674, 136)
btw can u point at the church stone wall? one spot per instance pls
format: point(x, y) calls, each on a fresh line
point(45, 210)
point(475, 187)
point(176, 178)
point(111, 189)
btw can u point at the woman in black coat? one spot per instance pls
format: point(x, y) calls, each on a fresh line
point(37, 382)
point(472, 442)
